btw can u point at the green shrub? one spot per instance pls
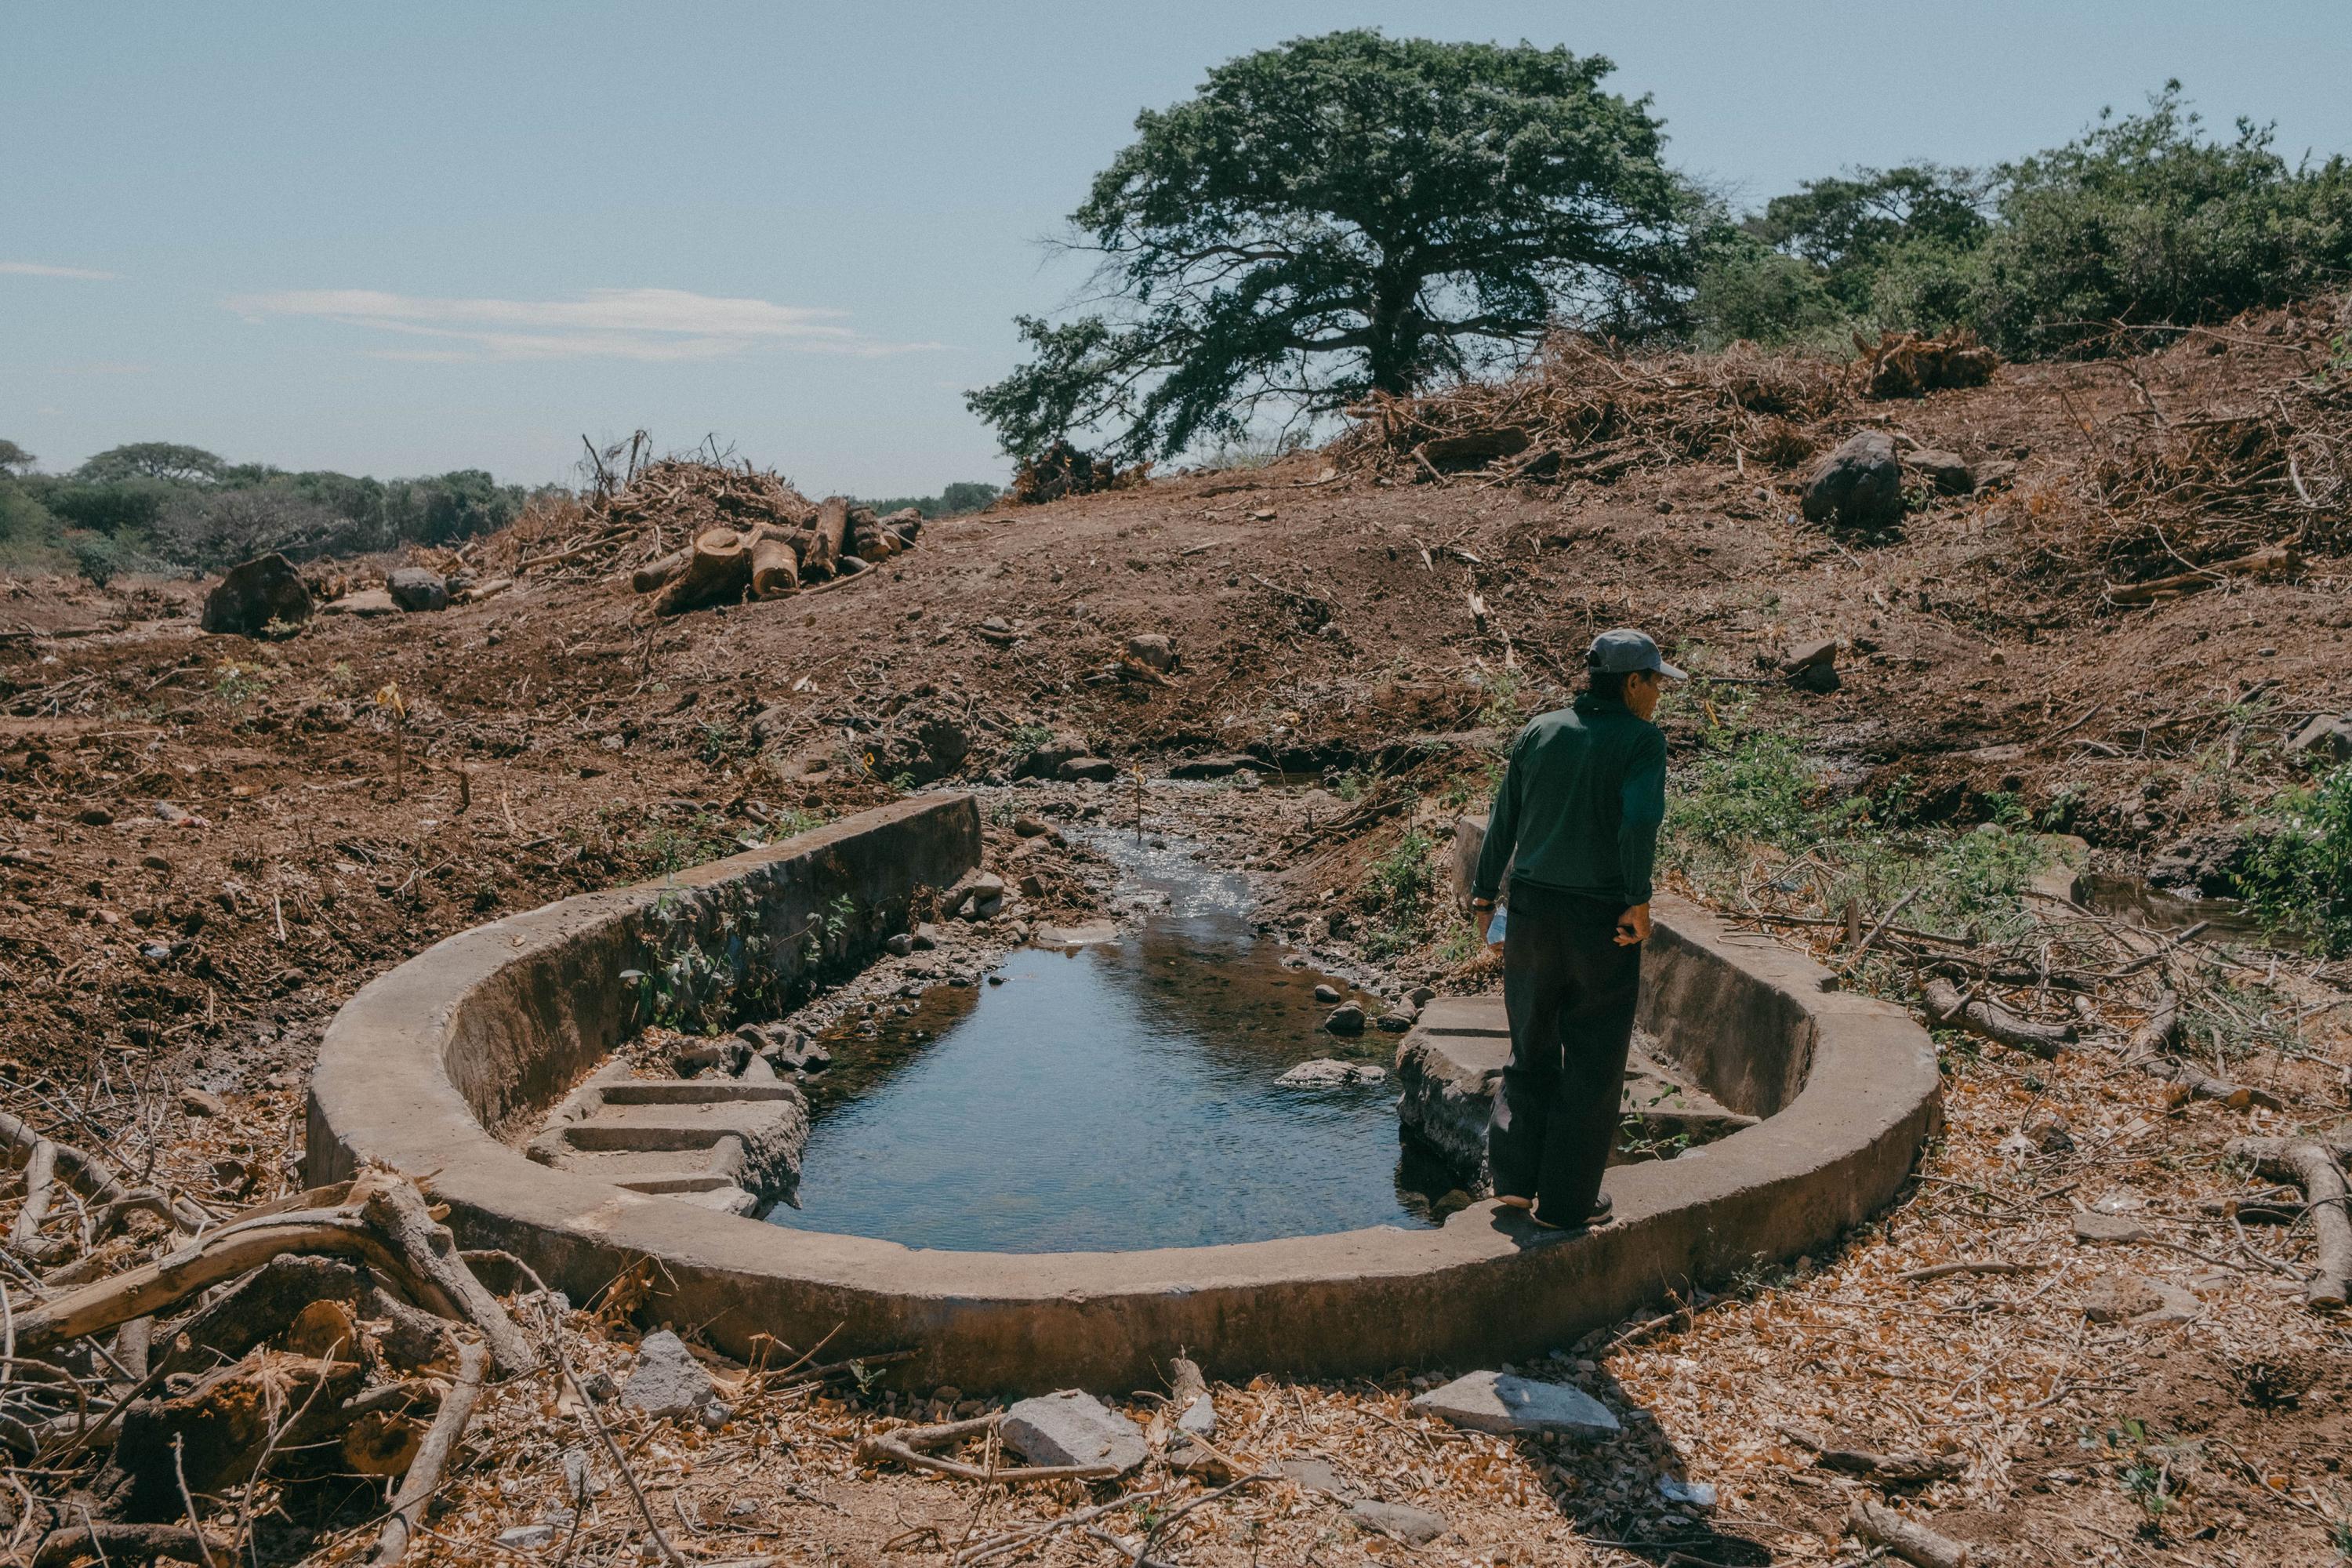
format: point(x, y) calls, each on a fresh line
point(96, 557)
point(2297, 877)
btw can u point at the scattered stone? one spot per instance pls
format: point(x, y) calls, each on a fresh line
point(1394, 1022)
point(1030, 827)
point(1500, 1402)
point(1326, 993)
point(1346, 1020)
point(599, 1386)
point(575, 1471)
point(926, 937)
point(1860, 485)
point(2092, 1225)
point(1812, 665)
point(416, 589)
point(1031, 885)
point(2049, 1135)
point(1948, 473)
point(197, 1101)
point(2329, 735)
point(365, 603)
point(1420, 996)
point(667, 1380)
point(1199, 1418)
point(901, 945)
point(2118, 1298)
point(1087, 770)
point(1044, 759)
point(1689, 1494)
point(1328, 1072)
point(1413, 1526)
point(94, 817)
point(1073, 1429)
point(255, 593)
point(717, 1414)
point(527, 1537)
point(1153, 650)
point(1314, 1476)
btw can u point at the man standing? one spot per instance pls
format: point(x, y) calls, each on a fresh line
point(1579, 807)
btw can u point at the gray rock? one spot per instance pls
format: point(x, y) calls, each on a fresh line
point(1860, 485)
point(1393, 1022)
point(1044, 759)
point(901, 944)
point(1326, 1072)
point(599, 1386)
point(1347, 1020)
point(1500, 1402)
point(2092, 1225)
point(2329, 735)
point(1198, 1419)
point(926, 937)
point(1087, 770)
point(365, 603)
point(1326, 993)
point(1152, 649)
point(1948, 473)
point(1073, 1429)
point(255, 592)
point(667, 1380)
point(1421, 996)
point(414, 588)
point(527, 1537)
point(197, 1101)
point(1209, 767)
point(1413, 1526)
point(576, 1481)
point(1314, 1476)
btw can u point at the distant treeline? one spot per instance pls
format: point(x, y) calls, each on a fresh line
point(156, 505)
point(2145, 221)
point(955, 500)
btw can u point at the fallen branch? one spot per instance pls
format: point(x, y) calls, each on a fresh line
point(2277, 561)
point(432, 1456)
point(1914, 1543)
point(1895, 1469)
point(127, 1544)
point(2311, 1165)
point(1989, 1020)
point(905, 1446)
point(1944, 1270)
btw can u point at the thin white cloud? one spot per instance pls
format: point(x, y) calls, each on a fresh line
point(42, 269)
point(602, 324)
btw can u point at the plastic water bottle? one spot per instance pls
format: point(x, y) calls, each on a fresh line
point(1494, 926)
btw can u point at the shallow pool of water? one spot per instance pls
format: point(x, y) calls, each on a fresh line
point(1120, 1096)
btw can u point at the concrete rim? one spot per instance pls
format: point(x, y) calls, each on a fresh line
point(386, 1090)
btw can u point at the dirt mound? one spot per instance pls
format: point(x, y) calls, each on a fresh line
point(1587, 410)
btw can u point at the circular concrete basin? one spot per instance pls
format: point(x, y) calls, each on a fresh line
point(443, 1066)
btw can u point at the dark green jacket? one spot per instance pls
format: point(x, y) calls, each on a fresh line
point(1581, 803)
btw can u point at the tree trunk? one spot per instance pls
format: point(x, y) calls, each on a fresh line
point(775, 567)
point(832, 532)
point(720, 568)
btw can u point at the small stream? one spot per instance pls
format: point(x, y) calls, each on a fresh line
point(1119, 1097)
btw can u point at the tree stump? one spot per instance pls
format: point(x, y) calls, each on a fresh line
point(719, 568)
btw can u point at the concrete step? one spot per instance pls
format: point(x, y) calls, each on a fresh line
point(718, 1142)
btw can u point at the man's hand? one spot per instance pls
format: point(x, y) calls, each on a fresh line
point(1485, 916)
point(1633, 926)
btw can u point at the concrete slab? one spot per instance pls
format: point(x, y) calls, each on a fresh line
point(1072, 1427)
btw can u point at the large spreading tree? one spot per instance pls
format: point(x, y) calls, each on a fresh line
point(1346, 214)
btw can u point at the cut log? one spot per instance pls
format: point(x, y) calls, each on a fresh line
point(775, 567)
point(2311, 1165)
point(256, 1309)
point(395, 1210)
point(1912, 1542)
point(222, 1427)
point(658, 571)
point(1989, 1020)
point(832, 532)
point(719, 568)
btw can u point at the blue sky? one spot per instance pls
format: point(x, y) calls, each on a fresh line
point(404, 238)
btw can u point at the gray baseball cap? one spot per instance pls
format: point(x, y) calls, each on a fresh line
point(1622, 649)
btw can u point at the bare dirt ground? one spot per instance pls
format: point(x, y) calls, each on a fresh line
point(213, 842)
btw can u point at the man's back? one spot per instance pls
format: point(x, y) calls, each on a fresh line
point(1579, 804)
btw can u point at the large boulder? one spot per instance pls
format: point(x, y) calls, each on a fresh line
point(416, 588)
point(254, 594)
point(1858, 486)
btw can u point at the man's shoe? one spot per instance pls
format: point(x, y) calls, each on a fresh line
point(1594, 1218)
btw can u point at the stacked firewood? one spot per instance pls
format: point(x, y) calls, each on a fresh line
point(770, 559)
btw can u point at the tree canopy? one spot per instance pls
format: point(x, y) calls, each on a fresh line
point(11, 456)
point(163, 460)
point(1343, 215)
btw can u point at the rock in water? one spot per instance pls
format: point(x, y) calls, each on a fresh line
point(414, 588)
point(1860, 485)
point(255, 593)
point(667, 1380)
point(1499, 1402)
point(1327, 1072)
point(1347, 1020)
point(1073, 1429)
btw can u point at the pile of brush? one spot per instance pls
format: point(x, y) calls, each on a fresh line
point(1586, 409)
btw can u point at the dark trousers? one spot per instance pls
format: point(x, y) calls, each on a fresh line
point(1570, 990)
